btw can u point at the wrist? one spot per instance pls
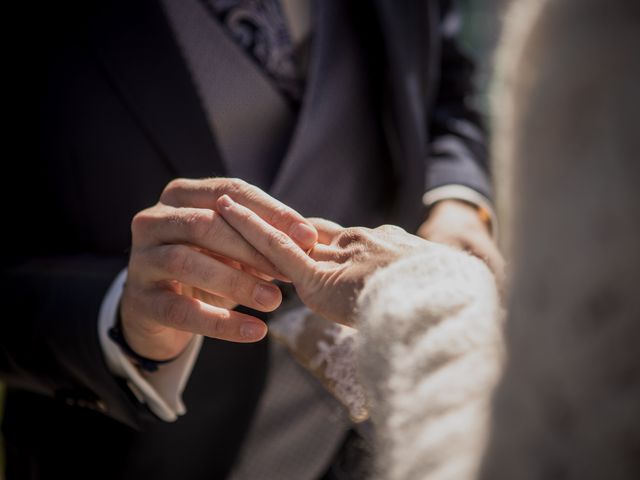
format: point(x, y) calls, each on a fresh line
point(465, 211)
point(116, 333)
point(147, 337)
point(465, 195)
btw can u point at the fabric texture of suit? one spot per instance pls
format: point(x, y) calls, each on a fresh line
point(106, 114)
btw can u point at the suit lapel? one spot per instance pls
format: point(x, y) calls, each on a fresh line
point(317, 73)
point(251, 119)
point(145, 66)
point(337, 165)
point(323, 71)
point(408, 30)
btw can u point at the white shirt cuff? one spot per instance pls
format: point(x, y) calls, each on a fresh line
point(160, 390)
point(466, 194)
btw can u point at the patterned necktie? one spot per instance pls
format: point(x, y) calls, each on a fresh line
point(260, 28)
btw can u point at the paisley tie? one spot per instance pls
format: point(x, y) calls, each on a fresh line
point(259, 26)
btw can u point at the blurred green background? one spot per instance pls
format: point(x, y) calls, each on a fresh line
point(480, 35)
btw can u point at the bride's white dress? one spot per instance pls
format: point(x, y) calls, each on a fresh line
point(420, 363)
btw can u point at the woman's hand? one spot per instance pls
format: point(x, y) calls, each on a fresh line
point(458, 225)
point(188, 268)
point(329, 279)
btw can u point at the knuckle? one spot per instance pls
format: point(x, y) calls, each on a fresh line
point(350, 235)
point(281, 216)
point(390, 228)
point(233, 186)
point(276, 215)
point(141, 222)
point(173, 184)
point(195, 223)
point(355, 251)
point(176, 184)
point(238, 183)
point(173, 187)
point(277, 240)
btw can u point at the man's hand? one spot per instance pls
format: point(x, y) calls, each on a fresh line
point(188, 268)
point(457, 224)
point(329, 279)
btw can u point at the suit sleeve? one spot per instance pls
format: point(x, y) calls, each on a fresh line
point(458, 149)
point(49, 335)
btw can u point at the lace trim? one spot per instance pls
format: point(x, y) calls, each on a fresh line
point(327, 350)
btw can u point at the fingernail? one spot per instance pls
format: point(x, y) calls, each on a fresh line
point(252, 331)
point(265, 295)
point(304, 235)
point(225, 201)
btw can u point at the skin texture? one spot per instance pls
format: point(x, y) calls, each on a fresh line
point(190, 265)
point(457, 224)
point(329, 278)
point(188, 268)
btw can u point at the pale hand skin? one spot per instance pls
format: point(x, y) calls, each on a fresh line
point(188, 268)
point(458, 225)
point(330, 277)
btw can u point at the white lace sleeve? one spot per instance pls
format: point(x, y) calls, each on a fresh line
point(430, 352)
point(423, 362)
point(328, 351)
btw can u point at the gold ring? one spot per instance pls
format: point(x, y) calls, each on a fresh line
point(308, 252)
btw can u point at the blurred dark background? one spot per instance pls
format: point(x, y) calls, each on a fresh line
point(481, 32)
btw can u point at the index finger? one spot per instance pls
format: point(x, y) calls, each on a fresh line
point(278, 248)
point(204, 193)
